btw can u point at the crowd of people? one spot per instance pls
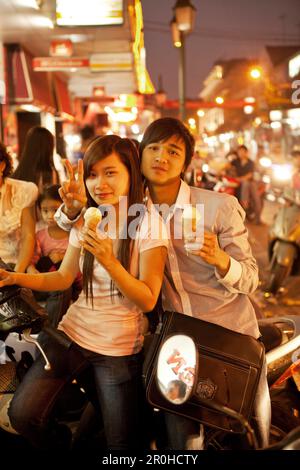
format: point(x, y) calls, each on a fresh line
point(123, 272)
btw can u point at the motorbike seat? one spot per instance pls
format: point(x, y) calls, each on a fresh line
point(271, 336)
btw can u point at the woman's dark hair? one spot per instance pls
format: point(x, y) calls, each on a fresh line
point(164, 128)
point(5, 157)
point(100, 148)
point(49, 192)
point(136, 143)
point(36, 164)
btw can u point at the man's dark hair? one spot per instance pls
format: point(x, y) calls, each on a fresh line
point(240, 147)
point(136, 143)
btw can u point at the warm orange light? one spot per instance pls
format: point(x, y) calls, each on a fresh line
point(219, 100)
point(248, 109)
point(255, 73)
point(250, 99)
point(143, 79)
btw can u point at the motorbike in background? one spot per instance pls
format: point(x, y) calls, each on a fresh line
point(277, 177)
point(227, 184)
point(284, 242)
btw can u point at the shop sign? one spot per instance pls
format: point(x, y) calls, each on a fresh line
point(89, 12)
point(61, 48)
point(46, 64)
point(111, 62)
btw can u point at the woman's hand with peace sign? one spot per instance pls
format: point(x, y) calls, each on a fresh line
point(73, 191)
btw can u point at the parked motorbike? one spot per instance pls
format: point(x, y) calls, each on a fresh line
point(281, 338)
point(21, 315)
point(284, 242)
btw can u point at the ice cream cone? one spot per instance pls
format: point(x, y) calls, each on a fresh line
point(92, 218)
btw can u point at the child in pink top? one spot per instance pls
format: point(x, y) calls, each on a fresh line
point(51, 245)
point(51, 241)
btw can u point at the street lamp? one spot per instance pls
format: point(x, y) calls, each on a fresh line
point(182, 24)
point(255, 73)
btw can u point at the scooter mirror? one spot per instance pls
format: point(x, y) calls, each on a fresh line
point(176, 368)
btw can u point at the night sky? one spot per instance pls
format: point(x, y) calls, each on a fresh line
point(224, 29)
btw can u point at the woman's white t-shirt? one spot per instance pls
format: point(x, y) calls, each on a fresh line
point(112, 326)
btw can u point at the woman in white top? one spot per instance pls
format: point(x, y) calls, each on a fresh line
point(17, 216)
point(121, 279)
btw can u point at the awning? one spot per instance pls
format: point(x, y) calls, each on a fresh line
point(24, 86)
point(62, 96)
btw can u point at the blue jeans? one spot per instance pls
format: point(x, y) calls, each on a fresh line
point(57, 303)
point(119, 390)
point(249, 196)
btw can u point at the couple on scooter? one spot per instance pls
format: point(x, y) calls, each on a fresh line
point(212, 283)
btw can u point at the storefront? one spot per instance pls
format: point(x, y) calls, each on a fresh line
point(32, 98)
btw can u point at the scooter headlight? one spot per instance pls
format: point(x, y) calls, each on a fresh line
point(265, 162)
point(282, 173)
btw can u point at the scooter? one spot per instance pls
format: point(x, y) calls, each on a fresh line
point(284, 242)
point(227, 184)
point(281, 338)
point(20, 314)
